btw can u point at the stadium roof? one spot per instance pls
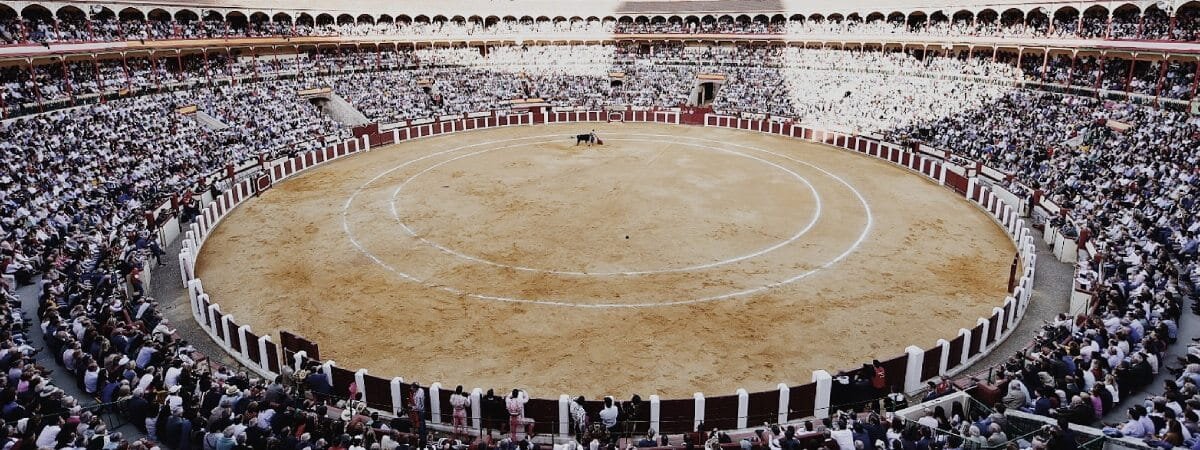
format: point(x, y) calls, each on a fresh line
point(596, 8)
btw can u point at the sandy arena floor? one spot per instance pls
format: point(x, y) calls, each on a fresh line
point(670, 260)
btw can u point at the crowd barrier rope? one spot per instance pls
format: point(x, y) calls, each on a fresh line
point(905, 373)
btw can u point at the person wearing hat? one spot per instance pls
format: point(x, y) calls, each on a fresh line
point(232, 394)
point(174, 400)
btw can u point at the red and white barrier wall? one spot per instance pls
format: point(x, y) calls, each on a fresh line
point(738, 410)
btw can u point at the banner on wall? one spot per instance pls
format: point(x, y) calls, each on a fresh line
point(304, 93)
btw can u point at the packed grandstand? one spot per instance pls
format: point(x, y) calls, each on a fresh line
point(1093, 110)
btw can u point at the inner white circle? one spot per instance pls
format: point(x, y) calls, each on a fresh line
point(797, 235)
point(585, 304)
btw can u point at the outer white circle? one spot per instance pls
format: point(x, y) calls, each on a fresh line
point(797, 235)
point(741, 293)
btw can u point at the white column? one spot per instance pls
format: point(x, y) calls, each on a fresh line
point(214, 313)
point(397, 399)
point(476, 408)
point(183, 273)
point(785, 399)
point(263, 359)
point(241, 337)
point(699, 409)
point(945, 359)
point(564, 415)
point(327, 369)
point(912, 368)
point(983, 333)
point(1012, 319)
point(193, 295)
point(395, 135)
point(435, 404)
point(655, 413)
point(360, 379)
point(1000, 324)
point(743, 407)
point(225, 323)
point(824, 388)
point(298, 359)
point(366, 142)
point(966, 347)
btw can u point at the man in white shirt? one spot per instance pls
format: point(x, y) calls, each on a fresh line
point(843, 435)
point(928, 420)
point(49, 434)
point(608, 416)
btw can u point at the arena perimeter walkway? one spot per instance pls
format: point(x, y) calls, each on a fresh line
point(1052, 288)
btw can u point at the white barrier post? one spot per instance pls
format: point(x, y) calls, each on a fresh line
point(983, 333)
point(366, 142)
point(477, 409)
point(912, 368)
point(824, 387)
point(564, 415)
point(263, 359)
point(327, 369)
point(945, 359)
point(298, 360)
point(1000, 324)
point(241, 336)
point(785, 399)
point(966, 347)
point(699, 409)
point(1012, 318)
point(183, 271)
point(655, 412)
point(397, 398)
point(743, 407)
point(435, 405)
point(360, 379)
point(214, 314)
point(225, 323)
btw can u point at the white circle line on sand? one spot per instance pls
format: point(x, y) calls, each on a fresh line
point(853, 247)
point(795, 236)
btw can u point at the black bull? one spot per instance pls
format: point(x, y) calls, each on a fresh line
point(588, 138)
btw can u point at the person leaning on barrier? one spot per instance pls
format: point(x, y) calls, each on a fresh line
point(608, 417)
point(578, 417)
point(494, 416)
point(629, 415)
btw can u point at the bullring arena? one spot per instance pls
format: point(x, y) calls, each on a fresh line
point(741, 248)
point(611, 224)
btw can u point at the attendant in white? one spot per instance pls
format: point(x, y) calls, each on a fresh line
point(459, 403)
point(515, 404)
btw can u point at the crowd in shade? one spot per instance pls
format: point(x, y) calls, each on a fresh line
point(73, 221)
point(1152, 24)
point(394, 85)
